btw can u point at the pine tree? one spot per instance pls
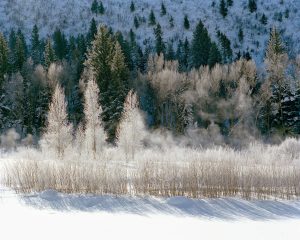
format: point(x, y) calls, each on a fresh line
point(214, 55)
point(20, 55)
point(171, 22)
point(92, 31)
point(186, 22)
point(35, 45)
point(264, 19)
point(107, 63)
point(170, 54)
point(58, 135)
point(152, 20)
point(159, 43)
point(24, 43)
point(223, 8)
point(241, 35)
point(229, 3)
point(4, 61)
point(126, 50)
point(101, 8)
point(132, 7)
point(163, 10)
point(49, 54)
point(94, 134)
point(136, 22)
point(118, 88)
point(276, 62)
point(252, 5)
point(95, 7)
point(201, 45)
point(60, 44)
point(225, 47)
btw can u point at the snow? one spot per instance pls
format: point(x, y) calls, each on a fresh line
point(51, 215)
point(74, 16)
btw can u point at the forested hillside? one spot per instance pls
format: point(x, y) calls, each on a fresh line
point(216, 71)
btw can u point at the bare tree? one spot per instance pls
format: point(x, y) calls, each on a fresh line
point(95, 136)
point(131, 130)
point(58, 135)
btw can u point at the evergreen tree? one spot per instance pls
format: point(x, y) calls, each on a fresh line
point(126, 50)
point(4, 61)
point(95, 7)
point(225, 47)
point(163, 10)
point(159, 43)
point(24, 43)
point(201, 45)
point(136, 22)
point(60, 44)
point(20, 55)
point(132, 7)
point(170, 54)
point(92, 31)
point(107, 63)
point(264, 19)
point(35, 45)
point(252, 5)
point(118, 88)
point(101, 8)
point(214, 55)
point(152, 20)
point(49, 54)
point(186, 22)
point(276, 61)
point(241, 35)
point(223, 8)
point(182, 55)
point(171, 22)
point(229, 3)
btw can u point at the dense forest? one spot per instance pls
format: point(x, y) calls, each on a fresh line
point(197, 88)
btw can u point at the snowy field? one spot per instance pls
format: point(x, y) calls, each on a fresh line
point(50, 215)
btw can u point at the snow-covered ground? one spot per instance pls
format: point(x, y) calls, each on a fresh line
point(50, 215)
point(74, 16)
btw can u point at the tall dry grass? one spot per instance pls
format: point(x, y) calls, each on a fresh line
point(260, 172)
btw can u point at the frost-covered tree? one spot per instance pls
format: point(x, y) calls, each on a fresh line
point(131, 130)
point(275, 85)
point(94, 133)
point(106, 60)
point(58, 136)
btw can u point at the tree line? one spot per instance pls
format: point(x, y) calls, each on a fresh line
point(199, 89)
